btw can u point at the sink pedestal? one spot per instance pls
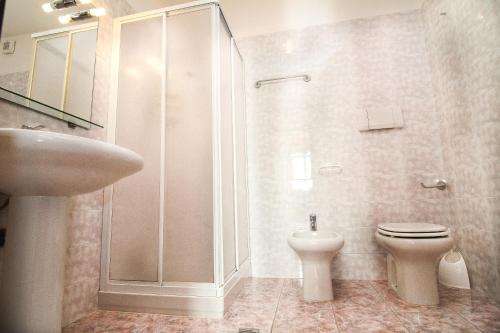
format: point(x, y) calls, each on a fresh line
point(32, 283)
point(40, 170)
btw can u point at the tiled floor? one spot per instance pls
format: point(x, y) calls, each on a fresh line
point(274, 305)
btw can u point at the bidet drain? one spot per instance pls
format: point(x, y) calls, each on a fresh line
point(249, 330)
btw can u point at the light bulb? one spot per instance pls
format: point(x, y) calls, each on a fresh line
point(65, 19)
point(97, 12)
point(47, 7)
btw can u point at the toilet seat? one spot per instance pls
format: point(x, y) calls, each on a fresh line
point(414, 234)
point(413, 230)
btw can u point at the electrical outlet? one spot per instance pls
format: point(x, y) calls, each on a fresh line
point(9, 47)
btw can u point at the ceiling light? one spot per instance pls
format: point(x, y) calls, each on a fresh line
point(58, 4)
point(62, 4)
point(82, 15)
point(78, 16)
point(47, 7)
point(65, 19)
point(97, 12)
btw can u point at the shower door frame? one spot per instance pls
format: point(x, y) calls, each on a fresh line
point(221, 286)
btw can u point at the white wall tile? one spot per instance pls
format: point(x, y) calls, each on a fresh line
point(363, 63)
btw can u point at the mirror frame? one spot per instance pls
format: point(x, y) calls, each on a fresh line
point(2, 11)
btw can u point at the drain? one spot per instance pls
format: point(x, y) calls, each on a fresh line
point(249, 330)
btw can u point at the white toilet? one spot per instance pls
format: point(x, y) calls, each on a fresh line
point(414, 251)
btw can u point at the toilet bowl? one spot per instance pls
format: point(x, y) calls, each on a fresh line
point(316, 250)
point(414, 251)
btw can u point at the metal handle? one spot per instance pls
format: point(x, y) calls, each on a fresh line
point(35, 128)
point(440, 184)
point(305, 77)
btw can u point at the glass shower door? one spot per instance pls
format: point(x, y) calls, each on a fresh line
point(240, 155)
point(80, 83)
point(136, 200)
point(188, 222)
point(227, 152)
point(49, 71)
point(174, 72)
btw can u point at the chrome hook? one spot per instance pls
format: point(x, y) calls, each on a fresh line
point(440, 184)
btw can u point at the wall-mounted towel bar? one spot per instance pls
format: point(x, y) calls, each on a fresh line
point(304, 77)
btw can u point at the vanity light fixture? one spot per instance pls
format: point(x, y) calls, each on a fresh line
point(62, 4)
point(82, 15)
point(97, 12)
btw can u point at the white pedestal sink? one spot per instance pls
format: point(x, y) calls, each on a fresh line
point(40, 170)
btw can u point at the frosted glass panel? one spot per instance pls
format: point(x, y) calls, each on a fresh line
point(229, 242)
point(81, 74)
point(49, 71)
point(241, 153)
point(136, 199)
point(188, 231)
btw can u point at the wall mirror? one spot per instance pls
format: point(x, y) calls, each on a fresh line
point(47, 57)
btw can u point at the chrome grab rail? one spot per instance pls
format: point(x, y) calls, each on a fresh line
point(304, 77)
point(440, 184)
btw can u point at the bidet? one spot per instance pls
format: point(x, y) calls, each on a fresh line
point(316, 250)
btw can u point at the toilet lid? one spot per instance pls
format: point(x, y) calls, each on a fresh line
point(412, 227)
point(414, 234)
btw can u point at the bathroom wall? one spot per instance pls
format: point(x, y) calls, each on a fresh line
point(15, 68)
point(22, 58)
point(84, 225)
point(463, 37)
point(16, 82)
point(296, 127)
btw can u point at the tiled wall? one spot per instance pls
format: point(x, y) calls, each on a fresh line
point(84, 226)
point(463, 37)
point(16, 82)
point(354, 65)
point(370, 63)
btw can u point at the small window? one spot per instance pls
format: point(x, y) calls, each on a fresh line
point(301, 171)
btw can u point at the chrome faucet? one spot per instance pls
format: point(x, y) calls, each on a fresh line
point(312, 220)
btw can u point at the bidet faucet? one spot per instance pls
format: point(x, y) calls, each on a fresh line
point(312, 220)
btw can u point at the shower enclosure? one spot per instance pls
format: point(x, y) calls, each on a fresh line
point(175, 236)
